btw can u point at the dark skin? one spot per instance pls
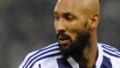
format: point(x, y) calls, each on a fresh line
point(78, 16)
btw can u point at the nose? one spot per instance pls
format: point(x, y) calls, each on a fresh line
point(60, 26)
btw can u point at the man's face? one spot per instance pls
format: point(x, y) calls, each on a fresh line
point(71, 26)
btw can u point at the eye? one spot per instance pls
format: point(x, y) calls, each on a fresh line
point(57, 18)
point(70, 17)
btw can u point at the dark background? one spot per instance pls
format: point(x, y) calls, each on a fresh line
point(27, 25)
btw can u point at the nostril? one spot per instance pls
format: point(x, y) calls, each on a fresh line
point(60, 28)
point(60, 31)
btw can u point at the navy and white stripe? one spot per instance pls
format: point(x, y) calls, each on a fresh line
point(48, 51)
point(111, 50)
point(50, 57)
point(110, 56)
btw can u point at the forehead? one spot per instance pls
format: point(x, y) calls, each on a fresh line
point(72, 6)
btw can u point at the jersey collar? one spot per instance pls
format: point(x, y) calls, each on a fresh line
point(98, 63)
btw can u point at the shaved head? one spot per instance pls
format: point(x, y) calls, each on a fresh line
point(84, 6)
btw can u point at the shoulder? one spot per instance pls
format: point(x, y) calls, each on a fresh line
point(50, 50)
point(38, 55)
point(111, 55)
point(110, 50)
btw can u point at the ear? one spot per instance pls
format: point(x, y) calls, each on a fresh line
point(93, 21)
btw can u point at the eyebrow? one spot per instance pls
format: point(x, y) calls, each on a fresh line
point(64, 13)
point(68, 13)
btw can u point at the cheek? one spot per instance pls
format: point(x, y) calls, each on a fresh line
point(74, 29)
point(73, 36)
point(55, 27)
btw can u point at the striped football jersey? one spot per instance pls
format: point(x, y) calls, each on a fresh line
point(50, 57)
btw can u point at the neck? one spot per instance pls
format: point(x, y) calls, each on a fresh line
point(89, 56)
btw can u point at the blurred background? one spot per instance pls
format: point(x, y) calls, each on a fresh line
point(27, 25)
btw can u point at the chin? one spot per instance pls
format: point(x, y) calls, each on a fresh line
point(75, 47)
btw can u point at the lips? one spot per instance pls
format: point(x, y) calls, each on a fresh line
point(64, 40)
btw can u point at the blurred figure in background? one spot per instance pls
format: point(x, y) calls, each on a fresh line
point(76, 23)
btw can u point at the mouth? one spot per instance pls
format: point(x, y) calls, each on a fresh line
point(63, 40)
